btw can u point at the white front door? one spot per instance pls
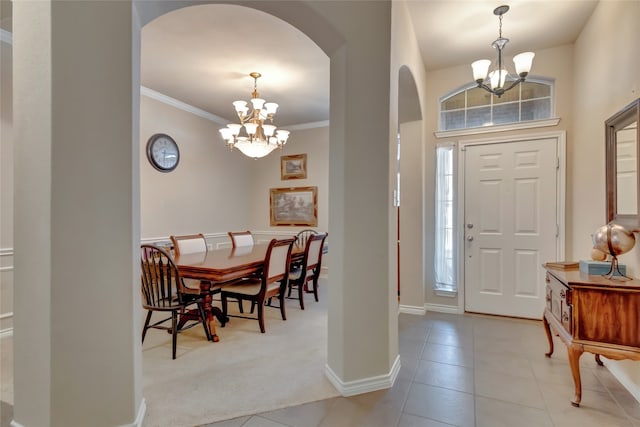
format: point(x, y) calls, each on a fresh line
point(510, 226)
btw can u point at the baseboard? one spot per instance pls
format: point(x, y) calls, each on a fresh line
point(366, 385)
point(619, 373)
point(15, 424)
point(442, 308)
point(412, 309)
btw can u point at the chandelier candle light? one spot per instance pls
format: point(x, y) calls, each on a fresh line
point(258, 138)
point(495, 80)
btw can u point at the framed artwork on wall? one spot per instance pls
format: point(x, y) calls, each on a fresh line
point(294, 206)
point(293, 167)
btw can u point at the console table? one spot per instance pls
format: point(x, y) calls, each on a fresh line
point(592, 314)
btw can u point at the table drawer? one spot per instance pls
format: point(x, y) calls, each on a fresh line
point(559, 301)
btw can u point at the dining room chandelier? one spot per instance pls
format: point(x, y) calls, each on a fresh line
point(496, 80)
point(252, 136)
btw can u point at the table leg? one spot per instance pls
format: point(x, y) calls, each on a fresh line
point(598, 360)
point(575, 351)
point(547, 330)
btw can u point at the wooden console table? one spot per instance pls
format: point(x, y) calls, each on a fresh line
point(593, 314)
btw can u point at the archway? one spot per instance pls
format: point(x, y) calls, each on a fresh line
point(85, 152)
point(411, 216)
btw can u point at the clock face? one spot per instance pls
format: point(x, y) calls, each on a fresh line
point(163, 152)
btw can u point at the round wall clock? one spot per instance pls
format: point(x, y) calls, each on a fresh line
point(163, 152)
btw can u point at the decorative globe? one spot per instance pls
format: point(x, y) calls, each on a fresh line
point(613, 239)
point(598, 255)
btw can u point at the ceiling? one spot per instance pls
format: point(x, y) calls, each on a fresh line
point(202, 55)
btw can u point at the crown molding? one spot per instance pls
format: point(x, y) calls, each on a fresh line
point(150, 93)
point(310, 125)
point(6, 36)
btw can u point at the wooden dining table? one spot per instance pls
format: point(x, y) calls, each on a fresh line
point(219, 266)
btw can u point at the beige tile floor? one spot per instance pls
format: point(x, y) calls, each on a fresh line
point(468, 371)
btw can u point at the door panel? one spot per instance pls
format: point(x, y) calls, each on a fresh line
point(510, 225)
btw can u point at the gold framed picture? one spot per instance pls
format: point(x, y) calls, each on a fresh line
point(294, 206)
point(293, 167)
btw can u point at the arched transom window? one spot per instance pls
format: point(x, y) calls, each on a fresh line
point(472, 107)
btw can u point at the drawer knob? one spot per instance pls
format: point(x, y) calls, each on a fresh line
point(562, 294)
point(548, 298)
point(565, 317)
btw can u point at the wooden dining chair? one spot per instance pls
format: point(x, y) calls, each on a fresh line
point(303, 235)
point(196, 243)
point(241, 238)
point(300, 278)
point(163, 290)
point(189, 244)
point(272, 283)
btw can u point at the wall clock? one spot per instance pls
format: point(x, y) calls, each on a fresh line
point(163, 152)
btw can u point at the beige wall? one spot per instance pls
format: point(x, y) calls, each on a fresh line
point(266, 174)
point(207, 192)
point(6, 188)
point(606, 78)
point(214, 190)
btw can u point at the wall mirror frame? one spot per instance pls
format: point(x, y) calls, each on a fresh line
point(622, 139)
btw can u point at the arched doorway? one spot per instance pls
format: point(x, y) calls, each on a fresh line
point(410, 215)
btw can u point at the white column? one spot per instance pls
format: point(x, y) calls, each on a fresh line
point(77, 303)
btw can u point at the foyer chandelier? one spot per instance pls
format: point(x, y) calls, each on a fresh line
point(252, 136)
point(496, 80)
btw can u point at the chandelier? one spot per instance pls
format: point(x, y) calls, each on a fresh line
point(252, 136)
point(495, 80)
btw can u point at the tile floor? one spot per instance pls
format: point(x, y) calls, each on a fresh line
point(468, 371)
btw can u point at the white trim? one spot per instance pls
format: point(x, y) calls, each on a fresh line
point(412, 309)
point(365, 385)
point(6, 36)
point(6, 315)
point(6, 251)
point(310, 125)
point(150, 93)
point(499, 128)
point(142, 409)
point(622, 376)
point(443, 308)
point(445, 293)
point(6, 333)
point(165, 99)
point(6, 268)
point(14, 423)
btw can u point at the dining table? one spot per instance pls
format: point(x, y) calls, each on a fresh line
point(220, 266)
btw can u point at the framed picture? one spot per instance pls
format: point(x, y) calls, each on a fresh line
point(293, 167)
point(294, 206)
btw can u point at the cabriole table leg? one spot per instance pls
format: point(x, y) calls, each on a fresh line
point(575, 351)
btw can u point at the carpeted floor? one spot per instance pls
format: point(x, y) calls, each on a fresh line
point(245, 373)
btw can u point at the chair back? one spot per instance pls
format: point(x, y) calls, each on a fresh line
point(277, 260)
point(161, 282)
point(189, 244)
point(303, 236)
point(313, 253)
point(241, 238)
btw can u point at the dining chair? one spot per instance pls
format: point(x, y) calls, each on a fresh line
point(189, 244)
point(241, 238)
point(303, 236)
point(196, 243)
point(163, 290)
point(309, 270)
point(271, 283)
